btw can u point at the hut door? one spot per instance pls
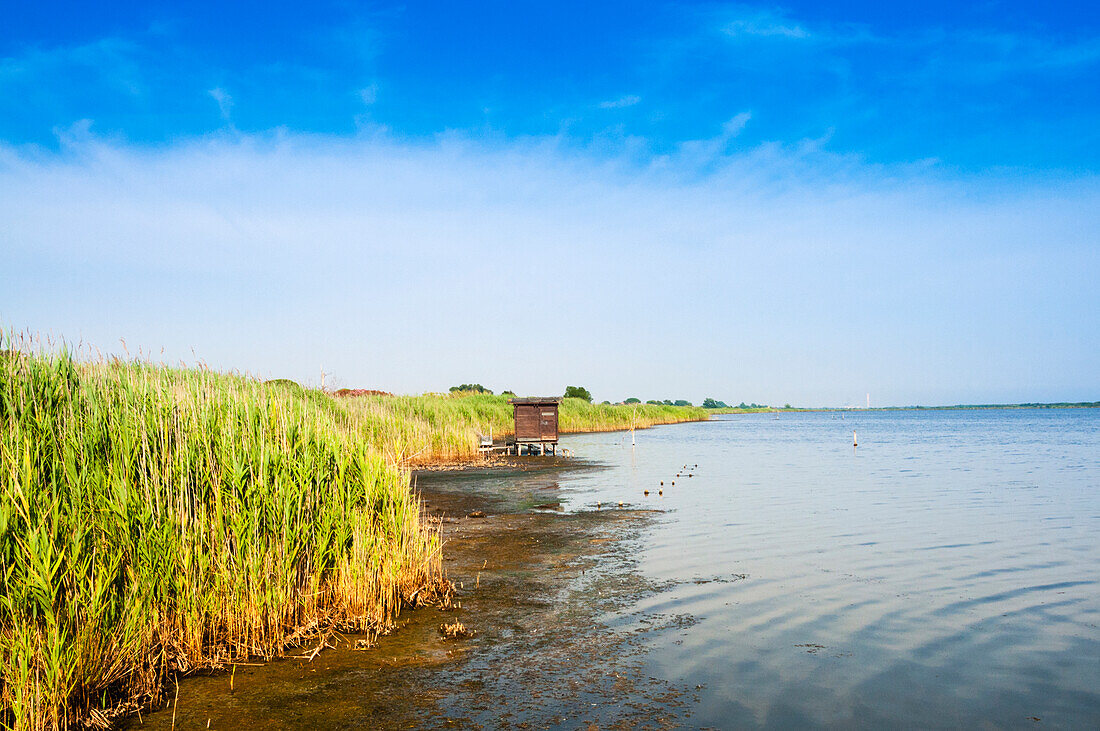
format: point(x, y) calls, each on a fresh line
point(548, 424)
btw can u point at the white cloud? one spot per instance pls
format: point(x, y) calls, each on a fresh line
point(765, 24)
point(224, 100)
point(624, 101)
point(706, 151)
point(733, 127)
point(369, 94)
point(784, 274)
point(117, 65)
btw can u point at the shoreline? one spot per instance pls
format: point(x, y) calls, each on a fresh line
point(191, 519)
point(199, 520)
point(434, 428)
point(555, 602)
point(531, 584)
point(465, 462)
point(861, 409)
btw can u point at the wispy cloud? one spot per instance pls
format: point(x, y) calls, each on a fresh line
point(274, 252)
point(967, 48)
point(114, 64)
point(369, 94)
point(225, 102)
point(733, 127)
point(704, 152)
point(763, 23)
point(624, 101)
point(978, 56)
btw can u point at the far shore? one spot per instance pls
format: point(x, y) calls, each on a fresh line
point(955, 407)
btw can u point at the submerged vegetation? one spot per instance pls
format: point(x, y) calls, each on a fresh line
point(154, 521)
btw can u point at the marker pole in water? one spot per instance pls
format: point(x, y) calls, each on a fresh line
point(855, 443)
point(633, 422)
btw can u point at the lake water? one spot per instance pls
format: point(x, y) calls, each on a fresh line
point(942, 573)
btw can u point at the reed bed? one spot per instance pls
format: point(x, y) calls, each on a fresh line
point(157, 520)
point(411, 430)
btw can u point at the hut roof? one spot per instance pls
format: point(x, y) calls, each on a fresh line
point(536, 400)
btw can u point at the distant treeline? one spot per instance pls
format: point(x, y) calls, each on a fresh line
point(1057, 405)
point(958, 407)
point(721, 407)
point(715, 406)
point(580, 392)
point(471, 388)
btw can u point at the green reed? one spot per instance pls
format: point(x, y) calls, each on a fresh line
point(433, 427)
point(157, 520)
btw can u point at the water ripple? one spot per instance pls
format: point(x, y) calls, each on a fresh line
point(949, 564)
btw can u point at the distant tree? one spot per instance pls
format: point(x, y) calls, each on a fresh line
point(470, 387)
point(633, 400)
point(743, 405)
point(786, 406)
point(655, 402)
point(507, 392)
point(578, 392)
point(709, 403)
point(605, 403)
point(681, 402)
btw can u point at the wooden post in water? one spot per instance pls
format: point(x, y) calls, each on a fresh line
point(855, 443)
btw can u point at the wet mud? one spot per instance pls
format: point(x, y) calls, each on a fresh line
point(547, 637)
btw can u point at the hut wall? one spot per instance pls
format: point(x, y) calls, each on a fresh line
point(536, 422)
point(527, 423)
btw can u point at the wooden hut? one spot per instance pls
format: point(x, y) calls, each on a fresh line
point(536, 420)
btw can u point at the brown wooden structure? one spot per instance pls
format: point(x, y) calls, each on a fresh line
point(536, 420)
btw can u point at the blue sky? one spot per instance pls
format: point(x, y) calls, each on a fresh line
point(802, 202)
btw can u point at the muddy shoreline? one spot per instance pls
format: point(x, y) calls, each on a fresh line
point(536, 585)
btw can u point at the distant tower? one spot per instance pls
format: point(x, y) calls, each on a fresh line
point(868, 400)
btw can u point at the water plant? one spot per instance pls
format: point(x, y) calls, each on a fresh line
point(431, 427)
point(156, 520)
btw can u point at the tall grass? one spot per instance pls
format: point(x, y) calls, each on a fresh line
point(156, 520)
point(420, 429)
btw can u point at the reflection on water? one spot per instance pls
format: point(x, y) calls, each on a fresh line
point(943, 573)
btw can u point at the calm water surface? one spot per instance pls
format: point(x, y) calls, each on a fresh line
point(943, 573)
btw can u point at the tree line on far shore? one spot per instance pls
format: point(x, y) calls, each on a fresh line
point(583, 393)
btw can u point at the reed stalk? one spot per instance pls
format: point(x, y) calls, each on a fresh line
point(413, 430)
point(157, 520)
